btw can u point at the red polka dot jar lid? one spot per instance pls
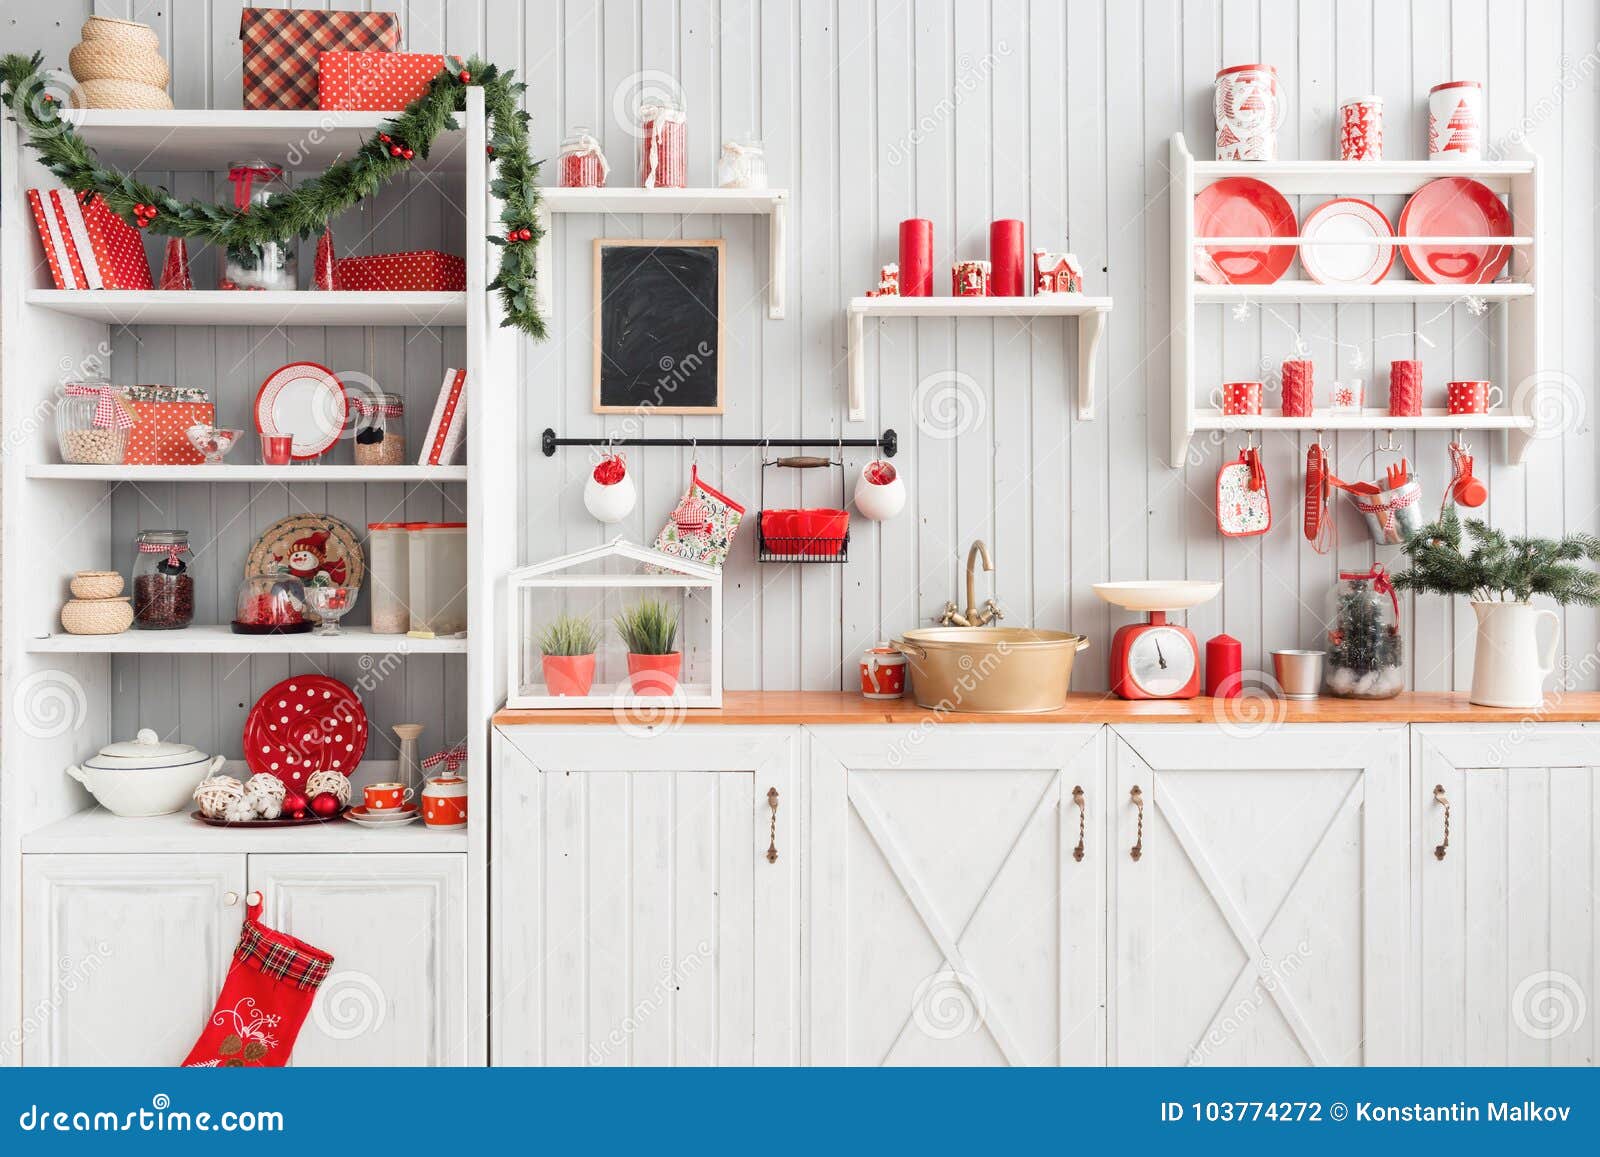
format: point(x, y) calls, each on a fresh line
point(305, 724)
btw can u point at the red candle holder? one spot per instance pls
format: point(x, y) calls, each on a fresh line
point(1297, 388)
point(1405, 388)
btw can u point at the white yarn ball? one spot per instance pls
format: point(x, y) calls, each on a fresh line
point(265, 787)
point(321, 781)
point(216, 793)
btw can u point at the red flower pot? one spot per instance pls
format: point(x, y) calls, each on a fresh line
point(568, 674)
point(654, 674)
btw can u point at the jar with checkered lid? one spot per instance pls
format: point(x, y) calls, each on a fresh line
point(163, 582)
point(380, 429)
point(92, 423)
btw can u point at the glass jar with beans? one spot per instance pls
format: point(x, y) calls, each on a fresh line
point(163, 582)
point(92, 423)
point(380, 430)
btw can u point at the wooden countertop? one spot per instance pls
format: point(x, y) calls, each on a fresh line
point(838, 707)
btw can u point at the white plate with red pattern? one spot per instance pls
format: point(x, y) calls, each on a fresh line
point(1357, 243)
point(306, 402)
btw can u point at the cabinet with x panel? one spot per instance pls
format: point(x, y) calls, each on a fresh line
point(955, 881)
point(1258, 895)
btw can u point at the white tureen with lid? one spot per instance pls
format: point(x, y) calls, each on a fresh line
point(145, 776)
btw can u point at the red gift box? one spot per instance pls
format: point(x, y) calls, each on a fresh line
point(374, 81)
point(159, 436)
point(104, 250)
point(282, 47)
point(422, 270)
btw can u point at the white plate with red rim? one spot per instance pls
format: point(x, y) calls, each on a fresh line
point(305, 401)
point(1357, 244)
point(383, 817)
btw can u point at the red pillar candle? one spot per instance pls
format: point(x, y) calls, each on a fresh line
point(1297, 400)
point(1008, 259)
point(916, 257)
point(1405, 388)
point(1224, 662)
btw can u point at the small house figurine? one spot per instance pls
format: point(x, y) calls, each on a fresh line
point(970, 279)
point(1056, 273)
point(888, 282)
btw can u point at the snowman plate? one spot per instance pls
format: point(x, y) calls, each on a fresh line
point(318, 549)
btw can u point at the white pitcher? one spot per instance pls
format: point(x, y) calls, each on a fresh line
point(1508, 668)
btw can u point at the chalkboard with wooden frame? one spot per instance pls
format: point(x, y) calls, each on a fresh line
point(658, 326)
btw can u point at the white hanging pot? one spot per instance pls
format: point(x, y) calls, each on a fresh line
point(1508, 665)
point(610, 494)
point(880, 492)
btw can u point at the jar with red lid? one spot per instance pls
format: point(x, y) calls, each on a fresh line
point(883, 673)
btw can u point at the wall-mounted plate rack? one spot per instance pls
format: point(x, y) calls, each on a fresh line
point(1090, 313)
point(1519, 335)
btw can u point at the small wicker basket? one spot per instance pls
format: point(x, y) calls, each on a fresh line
point(118, 94)
point(105, 60)
point(96, 584)
point(97, 616)
point(131, 33)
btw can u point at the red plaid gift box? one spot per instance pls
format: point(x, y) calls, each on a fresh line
point(374, 81)
point(282, 47)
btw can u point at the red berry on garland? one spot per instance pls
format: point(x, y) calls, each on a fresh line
point(514, 235)
point(466, 77)
point(394, 150)
point(384, 137)
point(524, 234)
point(489, 149)
point(407, 154)
point(326, 805)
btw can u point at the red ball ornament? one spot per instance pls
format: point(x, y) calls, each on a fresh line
point(407, 154)
point(489, 149)
point(466, 77)
point(384, 137)
point(524, 234)
point(512, 236)
point(326, 805)
point(294, 802)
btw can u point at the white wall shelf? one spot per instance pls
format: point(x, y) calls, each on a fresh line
point(97, 830)
point(219, 639)
point(1090, 313)
point(1517, 297)
point(770, 203)
point(253, 307)
point(288, 475)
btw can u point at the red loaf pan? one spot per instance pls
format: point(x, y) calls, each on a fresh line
point(820, 531)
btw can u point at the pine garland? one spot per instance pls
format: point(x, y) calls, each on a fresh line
point(305, 210)
point(1500, 565)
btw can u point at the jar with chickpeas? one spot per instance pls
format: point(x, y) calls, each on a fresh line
point(92, 423)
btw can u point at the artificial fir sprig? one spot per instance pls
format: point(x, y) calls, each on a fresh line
point(306, 209)
point(1500, 567)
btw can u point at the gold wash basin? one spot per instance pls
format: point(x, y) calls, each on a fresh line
point(1005, 670)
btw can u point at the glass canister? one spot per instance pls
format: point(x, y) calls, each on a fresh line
point(583, 165)
point(389, 576)
point(1366, 651)
point(92, 423)
point(272, 264)
point(163, 585)
point(438, 587)
point(380, 429)
point(663, 145)
point(742, 165)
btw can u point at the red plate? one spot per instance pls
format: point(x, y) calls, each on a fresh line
point(305, 401)
point(306, 723)
point(1455, 207)
point(1245, 207)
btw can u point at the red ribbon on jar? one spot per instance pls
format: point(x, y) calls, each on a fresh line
point(243, 176)
point(109, 412)
point(1380, 583)
point(366, 407)
point(451, 757)
point(171, 549)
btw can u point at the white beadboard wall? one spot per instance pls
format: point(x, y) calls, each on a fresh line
point(962, 111)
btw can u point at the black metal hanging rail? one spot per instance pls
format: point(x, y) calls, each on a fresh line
point(889, 443)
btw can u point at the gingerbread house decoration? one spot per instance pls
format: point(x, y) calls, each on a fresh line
point(1056, 272)
point(888, 282)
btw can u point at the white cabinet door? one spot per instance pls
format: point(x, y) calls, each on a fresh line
point(1263, 921)
point(950, 919)
point(123, 956)
point(396, 925)
point(1509, 944)
point(644, 906)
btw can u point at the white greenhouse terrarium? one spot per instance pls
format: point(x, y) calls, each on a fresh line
point(618, 625)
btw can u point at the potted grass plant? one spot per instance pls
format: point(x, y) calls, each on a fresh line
point(650, 630)
point(567, 647)
point(1501, 574)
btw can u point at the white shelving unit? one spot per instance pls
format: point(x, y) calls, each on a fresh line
point(772, 204)
point(58, 517)
point(1520, 333)
point(1089, 312)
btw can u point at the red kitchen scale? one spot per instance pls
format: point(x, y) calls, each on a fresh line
point(1156, 659)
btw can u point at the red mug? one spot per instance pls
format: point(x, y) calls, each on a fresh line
point(1472, 397)
point(385, 797)
point(1236, 399)
point(883, 673)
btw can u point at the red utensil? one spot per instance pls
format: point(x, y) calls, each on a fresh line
point(1398, 475)
point(304, 724)
point(1455, 207)
point(1245, 207)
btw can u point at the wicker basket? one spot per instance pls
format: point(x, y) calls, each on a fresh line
point(96, 584)
point(104, 60)
point(97, 616)
point(131, 33)
point(118, 94)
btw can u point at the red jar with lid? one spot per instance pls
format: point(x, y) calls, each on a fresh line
point(883, 673)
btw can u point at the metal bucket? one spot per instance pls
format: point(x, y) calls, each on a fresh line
point(990, 669)
point(1394, 515)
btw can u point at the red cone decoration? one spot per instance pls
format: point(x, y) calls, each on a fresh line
point(175, 270)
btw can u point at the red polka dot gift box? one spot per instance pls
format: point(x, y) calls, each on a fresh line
point(374, 81)
point(162, 417)
point(422, 270)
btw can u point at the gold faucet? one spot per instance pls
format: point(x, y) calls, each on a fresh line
point(973, 616)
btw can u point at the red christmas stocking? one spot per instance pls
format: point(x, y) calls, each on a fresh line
point(264, 1000)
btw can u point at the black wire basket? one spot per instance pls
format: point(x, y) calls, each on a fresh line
point(817, 535)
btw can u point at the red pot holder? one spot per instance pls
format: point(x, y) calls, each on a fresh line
point(1243, 506)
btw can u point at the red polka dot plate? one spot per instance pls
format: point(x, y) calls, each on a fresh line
point(304, 724)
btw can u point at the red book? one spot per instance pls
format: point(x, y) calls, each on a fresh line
point(73, 235)
point(116, 247)
point(449, 421)
point(374, 81)
point(54, 253)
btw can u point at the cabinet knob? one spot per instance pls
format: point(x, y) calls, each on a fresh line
point(229, 899)
point(1137, 798)
point(1444, 801)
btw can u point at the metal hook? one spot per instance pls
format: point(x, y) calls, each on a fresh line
point(1388, 446)
point(1459, 437)
point(694, 452)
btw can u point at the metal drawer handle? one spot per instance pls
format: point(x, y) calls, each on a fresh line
point(1077, 798)
point(1137, 797)
point(1440, 798)
point(772, 843)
